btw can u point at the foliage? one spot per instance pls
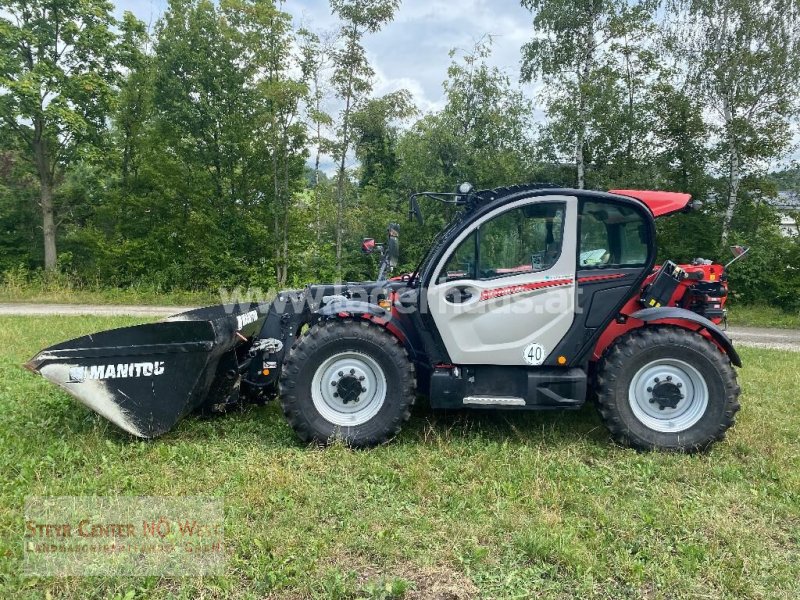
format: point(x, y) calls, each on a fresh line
point(788, 179)
point(225, 148)
point(352, 79)
point(742, 58)
point(57, 68)
point(573, 52)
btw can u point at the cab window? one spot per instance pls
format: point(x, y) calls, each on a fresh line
point(461, 264)
point(611, 236)
point(527, 239)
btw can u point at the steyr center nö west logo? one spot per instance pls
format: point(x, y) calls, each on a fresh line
point(80, 374)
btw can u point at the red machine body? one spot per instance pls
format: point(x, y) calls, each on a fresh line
point(703, 290)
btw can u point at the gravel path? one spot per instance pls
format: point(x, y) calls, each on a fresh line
point(760, 337)
point(754, 337)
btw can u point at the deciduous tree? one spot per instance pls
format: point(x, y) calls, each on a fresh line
point(743, 59)
point(352, 79)
point(568, 51)
point(57, 70)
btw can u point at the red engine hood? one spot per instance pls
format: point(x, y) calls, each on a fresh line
point(659, 203)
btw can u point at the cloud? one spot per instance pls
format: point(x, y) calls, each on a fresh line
point(411, 52)
point(416, 45)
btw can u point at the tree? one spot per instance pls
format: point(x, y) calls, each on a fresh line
point(18, 215)
point(568, 51)
point(134, 102)
point(482, 135)
point(620, 142)
point(269, 39)
point(489, 119)
point(57, 70)
point(232, 147)
point(375, 138)
point(352, 80)
point(743, 59)
point(315, 51)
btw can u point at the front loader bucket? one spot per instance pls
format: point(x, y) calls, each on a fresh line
point(145, 378)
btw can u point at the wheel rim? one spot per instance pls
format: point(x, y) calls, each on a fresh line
point(348, 389)
point(668, 395)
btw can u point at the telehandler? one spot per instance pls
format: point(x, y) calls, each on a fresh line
point(533, 298)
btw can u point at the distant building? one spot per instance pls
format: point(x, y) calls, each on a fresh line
point(789, 226)
point(788, 206)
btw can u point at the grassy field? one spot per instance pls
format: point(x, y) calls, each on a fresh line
point(460, 506)
point(763, 316)
point(60, 289)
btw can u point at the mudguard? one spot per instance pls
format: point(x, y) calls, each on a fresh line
point(649, 315)
point(397, 325)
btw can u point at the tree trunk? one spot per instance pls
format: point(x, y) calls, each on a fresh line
point(276, 207)
point(345, 144)
point(46, 178)
point(580, 134)
point(317, 199)
point(733, 194)
point(579, 161)
point(339, 219)
point(284, 276)
point(583, 80)
point(629, 125)
point(340, 185)
point(734, 174)
point(48, 226)
point(580, 137)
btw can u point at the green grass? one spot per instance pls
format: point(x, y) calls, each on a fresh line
point(762, 316)
point(487, 505)
point(19, 285)
point(52, 294)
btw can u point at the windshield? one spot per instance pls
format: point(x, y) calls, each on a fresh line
point(445, 232)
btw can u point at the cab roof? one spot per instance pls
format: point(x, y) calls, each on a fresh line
point(659, 203)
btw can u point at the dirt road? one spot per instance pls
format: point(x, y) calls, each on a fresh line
point(760, 337)
point(754, 337)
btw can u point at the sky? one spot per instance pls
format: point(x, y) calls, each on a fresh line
point(411, 52)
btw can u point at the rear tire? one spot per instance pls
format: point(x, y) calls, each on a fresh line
point(349, 381)
point(666, 388)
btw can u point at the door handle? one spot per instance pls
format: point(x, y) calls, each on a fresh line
point(458, 295)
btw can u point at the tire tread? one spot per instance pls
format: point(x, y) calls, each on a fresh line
point(614, 364)
point(332, 331)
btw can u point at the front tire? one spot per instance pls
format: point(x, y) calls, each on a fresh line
point(666, 388)
point(347, 380)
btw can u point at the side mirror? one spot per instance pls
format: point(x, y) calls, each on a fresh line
point(738, 253)
point(415, 212)
point(368, 246)
point(693, 206)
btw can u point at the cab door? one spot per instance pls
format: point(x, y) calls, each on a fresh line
point(505, 294)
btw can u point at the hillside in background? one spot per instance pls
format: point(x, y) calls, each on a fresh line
point(786, 180)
